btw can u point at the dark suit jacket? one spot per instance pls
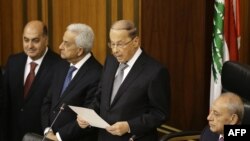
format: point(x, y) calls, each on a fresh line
point(24, 115)
point(1, 82)
point(1, 105)
point(1, 93)
point(208, 135)
point(142, 99)
point(80, 92)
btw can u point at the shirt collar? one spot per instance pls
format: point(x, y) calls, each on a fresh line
point(82, 61)
point(131, 62)
point(221, 136)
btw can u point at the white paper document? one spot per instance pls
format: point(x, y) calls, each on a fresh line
point(90, 116)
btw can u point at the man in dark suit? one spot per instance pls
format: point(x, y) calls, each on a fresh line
point(227, 109)
point(1, 104)
point(76, 49)
point(23, 98)
point(141, 103)
point(1, 82)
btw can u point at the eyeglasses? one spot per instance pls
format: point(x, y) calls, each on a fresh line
point(119, 45)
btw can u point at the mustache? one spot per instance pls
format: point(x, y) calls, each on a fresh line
point(30, 49)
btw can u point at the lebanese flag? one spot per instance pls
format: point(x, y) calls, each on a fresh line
point(226, 41)
point(232, 29)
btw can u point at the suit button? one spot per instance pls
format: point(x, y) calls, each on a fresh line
point(21, 110)
point(54, 112)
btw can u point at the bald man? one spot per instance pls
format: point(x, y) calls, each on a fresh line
point(27, 80)
point(227, 109)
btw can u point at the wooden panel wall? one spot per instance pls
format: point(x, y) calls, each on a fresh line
point(173, 32)
point(245, 31)
point(177, 33)
point(6, 30)
point(99, 14)
point(62, 13)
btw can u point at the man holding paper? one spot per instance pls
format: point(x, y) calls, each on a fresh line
point(134, 92)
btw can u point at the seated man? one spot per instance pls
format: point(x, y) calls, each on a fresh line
point(227, 109)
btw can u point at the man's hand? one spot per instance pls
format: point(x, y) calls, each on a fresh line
point(119, 128)
point(81, 122)
point(51, 136)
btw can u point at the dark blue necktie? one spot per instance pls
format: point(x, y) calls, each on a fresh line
point(68, 78)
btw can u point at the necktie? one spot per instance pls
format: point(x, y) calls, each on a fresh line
point(118, 80)
point(30, 78)
point(68, 78)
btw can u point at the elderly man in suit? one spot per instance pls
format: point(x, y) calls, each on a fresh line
point(134, 91)
point(227, 109)
point(81, 85)
point(27, 78)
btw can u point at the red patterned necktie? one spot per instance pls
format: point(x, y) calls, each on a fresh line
point(29, 79)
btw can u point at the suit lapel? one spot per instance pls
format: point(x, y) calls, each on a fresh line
point(34, 84)
point(132, 75)
point(79, 75)
point(59, 76)
point(21, 67)
point(111, 68)
point(43, 70)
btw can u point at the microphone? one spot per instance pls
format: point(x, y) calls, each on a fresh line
point(134, 137)
point(50, 127)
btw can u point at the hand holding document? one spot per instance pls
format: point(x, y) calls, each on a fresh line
point(90, 116)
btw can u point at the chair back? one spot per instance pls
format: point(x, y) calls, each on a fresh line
point(236, 78)
point(246, 116)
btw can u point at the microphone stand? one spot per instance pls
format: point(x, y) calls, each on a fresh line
point(61, 109)
point(132, 138)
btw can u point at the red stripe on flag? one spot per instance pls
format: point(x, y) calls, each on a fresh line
point(230, 31)
point(238, 17)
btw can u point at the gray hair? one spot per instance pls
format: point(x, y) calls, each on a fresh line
point(85, 36)
point(235, 104)
point(125, 25)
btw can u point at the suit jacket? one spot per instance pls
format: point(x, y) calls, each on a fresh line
point(24, 114)
point(142, 99)
point(1, 105)
point(1, 92)
point(80, 92)
point(208, 135)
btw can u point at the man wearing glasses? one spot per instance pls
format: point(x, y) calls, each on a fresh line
point(134, 92)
